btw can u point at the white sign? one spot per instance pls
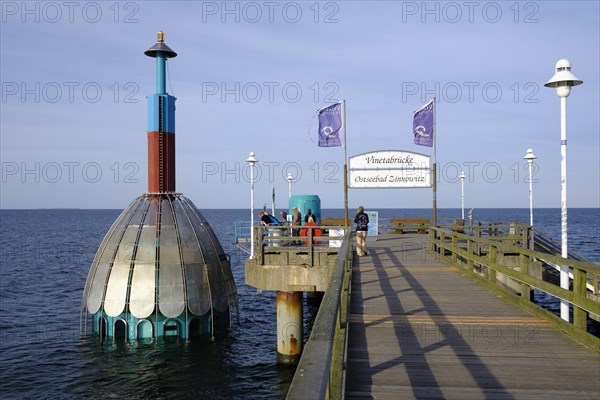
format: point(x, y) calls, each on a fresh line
point(373, 228)
point(418, 178)
point(336, 232)
point(389, 159)
point(390, 169)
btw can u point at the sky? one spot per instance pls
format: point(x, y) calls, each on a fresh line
point(250, 76)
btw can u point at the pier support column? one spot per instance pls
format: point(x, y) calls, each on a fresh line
point(289, 327)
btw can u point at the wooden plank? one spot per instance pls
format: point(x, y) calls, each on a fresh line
point(420, 329)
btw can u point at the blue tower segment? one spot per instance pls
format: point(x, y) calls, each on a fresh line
point(161, 113)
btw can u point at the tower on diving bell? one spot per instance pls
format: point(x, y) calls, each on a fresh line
point(160, 270)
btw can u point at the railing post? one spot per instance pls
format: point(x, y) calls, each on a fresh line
point(525, 236)
point(260, 248)
point(526, 291)
point(310, 247)
point(454, 248)
point(479, 236)
point(492, 257)
point(470, 255)
point(432, 238)
point(579, 315)
point(442, 247)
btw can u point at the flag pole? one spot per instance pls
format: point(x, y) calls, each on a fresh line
point(346, 222)
point(434, 170)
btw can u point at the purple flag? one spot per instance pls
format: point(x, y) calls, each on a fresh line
point(423, 125)
point(330, 124)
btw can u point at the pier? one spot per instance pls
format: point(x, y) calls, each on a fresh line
point(449, 315)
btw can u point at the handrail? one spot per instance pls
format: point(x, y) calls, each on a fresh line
point(542, 240)
point(309, 243)
point(445, 240)
point(320, 373)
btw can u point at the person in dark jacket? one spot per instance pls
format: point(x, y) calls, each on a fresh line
point(362, 226)
point(284, 215)
point(309, 217)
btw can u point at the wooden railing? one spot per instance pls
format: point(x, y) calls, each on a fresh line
point(320, 373)
point(406, 225)
point(501, 249)
point(279, 237)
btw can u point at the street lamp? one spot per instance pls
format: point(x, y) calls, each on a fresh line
point(530, 157)
point(462, 195)
point(562, 81)
point(251, 161)
point(289, 179)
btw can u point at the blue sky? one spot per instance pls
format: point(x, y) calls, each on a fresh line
point(249, 76)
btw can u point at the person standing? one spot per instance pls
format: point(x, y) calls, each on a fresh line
point(296, 222)
point(362, 226)
point(283, 215)
point(309, 217)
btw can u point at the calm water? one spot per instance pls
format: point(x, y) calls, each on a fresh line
point(44, 259)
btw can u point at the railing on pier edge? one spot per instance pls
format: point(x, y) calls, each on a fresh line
point(320, 373)
point(482, 252)
point(242, 231)
point(273, 237)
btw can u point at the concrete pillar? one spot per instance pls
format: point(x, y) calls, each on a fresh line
point(289, 327)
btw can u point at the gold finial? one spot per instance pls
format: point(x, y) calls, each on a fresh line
point(160, 36)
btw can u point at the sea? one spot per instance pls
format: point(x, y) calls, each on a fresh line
point(45, 256)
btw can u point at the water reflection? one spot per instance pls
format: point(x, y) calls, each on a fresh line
point(170, 368)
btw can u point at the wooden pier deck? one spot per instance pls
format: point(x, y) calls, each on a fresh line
point(421, 330)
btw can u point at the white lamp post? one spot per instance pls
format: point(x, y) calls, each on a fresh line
point(462, 194)
point(530, 157)
point(251, 161)
point(562, 81)
point(289, 179)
